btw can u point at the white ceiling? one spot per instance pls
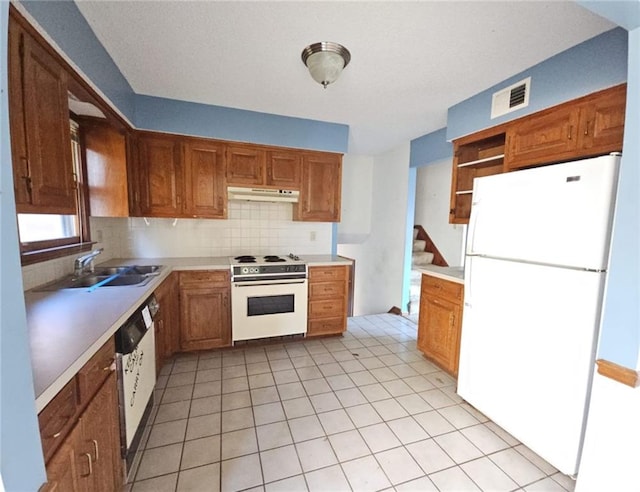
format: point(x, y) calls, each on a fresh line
point(410, 61)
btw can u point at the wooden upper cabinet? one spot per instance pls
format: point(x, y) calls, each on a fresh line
point(320, 189)
point(106, 161)
point(160, 178)
point(283, 169)
point(249, 165)
point(205, 192)
point(480, 155)
point(245, 166)
point(549, 133)
point(602, 121)
point(41, 137)
point(584, 127)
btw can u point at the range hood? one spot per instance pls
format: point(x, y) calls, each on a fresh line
point(262, 194)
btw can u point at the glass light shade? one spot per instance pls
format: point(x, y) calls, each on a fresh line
point(325, 61)
point(325, 67)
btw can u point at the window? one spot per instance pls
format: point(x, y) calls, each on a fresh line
point(46, 236)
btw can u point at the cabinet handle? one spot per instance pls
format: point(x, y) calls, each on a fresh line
point(56, 435)
point(111, 366)
point(95, 448)
point(90, 466)
point(586, 128)
point(450, 320)
point(27, 182)
point(570, 132)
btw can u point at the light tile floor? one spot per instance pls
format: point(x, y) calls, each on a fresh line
point(361, 412)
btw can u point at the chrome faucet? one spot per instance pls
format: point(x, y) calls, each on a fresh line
point(84, 264)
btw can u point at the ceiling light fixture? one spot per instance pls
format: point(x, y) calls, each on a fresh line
point(325, 61)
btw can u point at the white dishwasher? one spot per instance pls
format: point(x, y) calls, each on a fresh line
point(136, 369)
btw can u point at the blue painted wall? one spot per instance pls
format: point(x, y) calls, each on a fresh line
point(155, 113)
point(69, 29)
point(22, 465)
point(625, 13)
point(596, 64)
point(65, 24)
point(620, 334)
point(430, 148)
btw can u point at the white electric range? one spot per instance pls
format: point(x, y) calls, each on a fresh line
point(268, 296)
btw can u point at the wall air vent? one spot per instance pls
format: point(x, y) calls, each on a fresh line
point(509, 99)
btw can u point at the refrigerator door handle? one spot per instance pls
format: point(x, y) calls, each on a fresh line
point(467, 284)
point(475, 211)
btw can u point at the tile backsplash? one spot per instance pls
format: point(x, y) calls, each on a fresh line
point(252, 228)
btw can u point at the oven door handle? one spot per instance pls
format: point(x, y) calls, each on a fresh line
point(269, 282)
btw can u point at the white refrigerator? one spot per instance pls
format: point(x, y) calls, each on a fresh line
point(535, 268)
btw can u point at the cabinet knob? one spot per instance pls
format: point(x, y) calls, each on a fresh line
point(586, 128)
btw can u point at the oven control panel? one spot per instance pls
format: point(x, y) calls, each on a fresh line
point(268, 269)
point(257, 272)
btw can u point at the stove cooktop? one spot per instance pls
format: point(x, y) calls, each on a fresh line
point(264, 259)
point(248, 267)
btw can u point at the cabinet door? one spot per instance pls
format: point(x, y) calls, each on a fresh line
point(63, 473)
point(205, 318)
point(283, 169)
point(106, 161)
point(543, 138)
point(602, 122)
point(204, 179)
point(48, 137)
point(320, 190)
point(19, 154)
point(440, 335)
point(165, 322)
point(160, 177)
point(245, 166)
point(101, 439)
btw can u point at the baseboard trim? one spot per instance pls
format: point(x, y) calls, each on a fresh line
point(618, 373)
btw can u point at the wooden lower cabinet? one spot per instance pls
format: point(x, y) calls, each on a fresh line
point(167, 320)
point(62, 474)
point(89, 457)
point(328, 300)
point(205, 310)
point(100, 440)
point(440, 322)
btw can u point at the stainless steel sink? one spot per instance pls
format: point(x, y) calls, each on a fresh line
point(116, 276)
point(128, 270)
point(128, 279)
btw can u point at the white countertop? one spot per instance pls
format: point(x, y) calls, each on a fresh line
point(67, 327)
point(453, 274)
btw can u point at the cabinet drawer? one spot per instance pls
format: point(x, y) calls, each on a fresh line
point(325, 290)
point(325, 274)
point(328, 326)
point(57, 418)
point(327, 308)
point(437, 287)
point(95, 372)
point(204, 276)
